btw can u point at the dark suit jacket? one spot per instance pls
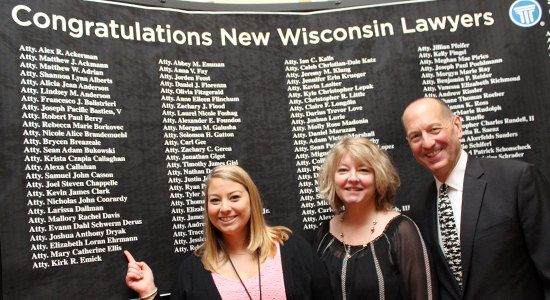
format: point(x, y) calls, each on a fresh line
point(505, 232)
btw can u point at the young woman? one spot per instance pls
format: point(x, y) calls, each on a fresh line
point(371, 251)
point(242, 257)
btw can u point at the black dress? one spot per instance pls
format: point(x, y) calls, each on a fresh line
point(393, 266)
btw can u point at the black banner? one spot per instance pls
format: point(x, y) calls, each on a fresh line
point(113, 114)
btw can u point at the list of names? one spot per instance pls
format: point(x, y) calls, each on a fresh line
point(67, 116)
point(467, 82)
point(199, 121)
point(325, 98)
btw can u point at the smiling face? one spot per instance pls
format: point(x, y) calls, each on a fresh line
point(433, 136)
point(228, 207)
point(354, 182)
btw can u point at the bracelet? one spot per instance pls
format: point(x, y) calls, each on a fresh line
point(144, 297)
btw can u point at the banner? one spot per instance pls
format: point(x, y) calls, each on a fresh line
point(113, 114)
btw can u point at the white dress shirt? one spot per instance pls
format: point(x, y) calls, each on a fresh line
point(455, 181)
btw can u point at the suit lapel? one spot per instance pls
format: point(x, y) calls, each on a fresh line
point(431, 206)
point(472, 197)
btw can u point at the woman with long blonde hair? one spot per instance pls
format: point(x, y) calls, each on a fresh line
point(242, 257)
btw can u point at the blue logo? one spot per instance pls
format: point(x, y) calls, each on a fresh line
point(525, 13)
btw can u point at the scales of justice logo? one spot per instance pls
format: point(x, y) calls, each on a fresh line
point(525, 13)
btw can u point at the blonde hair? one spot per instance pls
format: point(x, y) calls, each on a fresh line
point(366, 152)
point(261, 237)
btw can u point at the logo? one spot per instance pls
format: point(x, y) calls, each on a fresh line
point(525, 13)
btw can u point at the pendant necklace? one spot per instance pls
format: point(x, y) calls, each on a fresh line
point(259, 277)
point(347, 249)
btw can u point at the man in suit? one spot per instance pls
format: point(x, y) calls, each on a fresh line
point(501, 211)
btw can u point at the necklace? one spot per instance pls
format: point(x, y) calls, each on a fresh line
point(347, 249)
point(259, 277)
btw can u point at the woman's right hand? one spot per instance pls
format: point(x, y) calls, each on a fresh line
point(139, 276)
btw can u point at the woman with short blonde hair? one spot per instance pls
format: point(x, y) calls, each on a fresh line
point(371, 251)
point(369, 154)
